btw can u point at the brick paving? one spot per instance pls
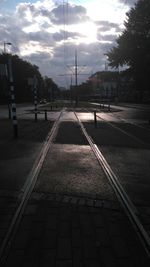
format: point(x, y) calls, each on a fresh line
point(71, 232)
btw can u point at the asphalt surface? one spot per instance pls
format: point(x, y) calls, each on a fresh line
point(73, 217)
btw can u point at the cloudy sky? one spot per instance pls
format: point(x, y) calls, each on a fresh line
point(48, 32)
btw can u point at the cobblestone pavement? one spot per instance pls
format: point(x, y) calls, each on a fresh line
point(70, 230)
point(74, 232)
point(16, 160)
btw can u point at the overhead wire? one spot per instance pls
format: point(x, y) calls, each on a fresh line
point(65, 34)
point(65, 31)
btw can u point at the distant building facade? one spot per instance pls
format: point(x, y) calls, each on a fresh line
point(112, 86)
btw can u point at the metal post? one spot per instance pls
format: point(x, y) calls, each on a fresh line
point(9, 111)
point(45, 115)
point(35, 97)
point(76, 78)
point(95, 119)
point(12, 96)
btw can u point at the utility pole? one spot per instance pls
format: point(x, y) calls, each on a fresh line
point(75, 73)
point(76, 76)
point(35, 96)
point(71, 89)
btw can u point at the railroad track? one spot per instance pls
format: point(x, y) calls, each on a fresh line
point(143, 142)
point(26, 192)
point(123, 198)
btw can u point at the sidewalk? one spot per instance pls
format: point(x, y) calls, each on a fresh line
point(64, 226)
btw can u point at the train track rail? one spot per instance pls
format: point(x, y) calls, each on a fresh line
point(124, 199)
point(27, 190)
point(115, 125)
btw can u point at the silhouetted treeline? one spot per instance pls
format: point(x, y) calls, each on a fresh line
point(23, 73)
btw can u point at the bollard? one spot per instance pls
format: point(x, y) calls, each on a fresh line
point(51, 107)
point(35, 115)
point(45, 115)
point(9, 111)
point(16, 131)
point(95, 119)
point(109, 107)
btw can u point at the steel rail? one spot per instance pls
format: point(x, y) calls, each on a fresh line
point(27, 190)
point(129, 122)
point(122, 196)
point(123, 131)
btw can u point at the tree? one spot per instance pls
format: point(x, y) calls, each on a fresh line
point(51, 90)
point(22, 71)
point(133, 46)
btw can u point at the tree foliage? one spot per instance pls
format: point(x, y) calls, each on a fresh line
point(133, 45)
point(51, 90)
point(22, 72)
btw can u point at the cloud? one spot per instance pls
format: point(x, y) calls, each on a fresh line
point(128, 2)
point(69, 14)
point(110, 38)
point(31, 11)
point(107, 26)
point(63, 35)
point(47, 35)
point(90, 59)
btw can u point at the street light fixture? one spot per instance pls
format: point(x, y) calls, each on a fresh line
point(5, 43)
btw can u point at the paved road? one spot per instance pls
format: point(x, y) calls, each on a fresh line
point(132, 111)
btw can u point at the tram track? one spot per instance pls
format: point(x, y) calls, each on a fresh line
point(142, 148)
point(112, 124)
point(124, 132)
point(27, 189)
point(124, 199)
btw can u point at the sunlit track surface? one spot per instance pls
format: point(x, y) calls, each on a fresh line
point(27, 189)
point(61, 139)
point(139, 217)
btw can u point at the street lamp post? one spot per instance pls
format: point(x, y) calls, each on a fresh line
point(5, 46)
point(35, 96)
point(12, 94)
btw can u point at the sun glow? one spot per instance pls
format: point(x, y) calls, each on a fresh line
point(87, 31)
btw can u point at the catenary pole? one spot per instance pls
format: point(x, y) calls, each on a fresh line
point(35, 96)
point(76, 76)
